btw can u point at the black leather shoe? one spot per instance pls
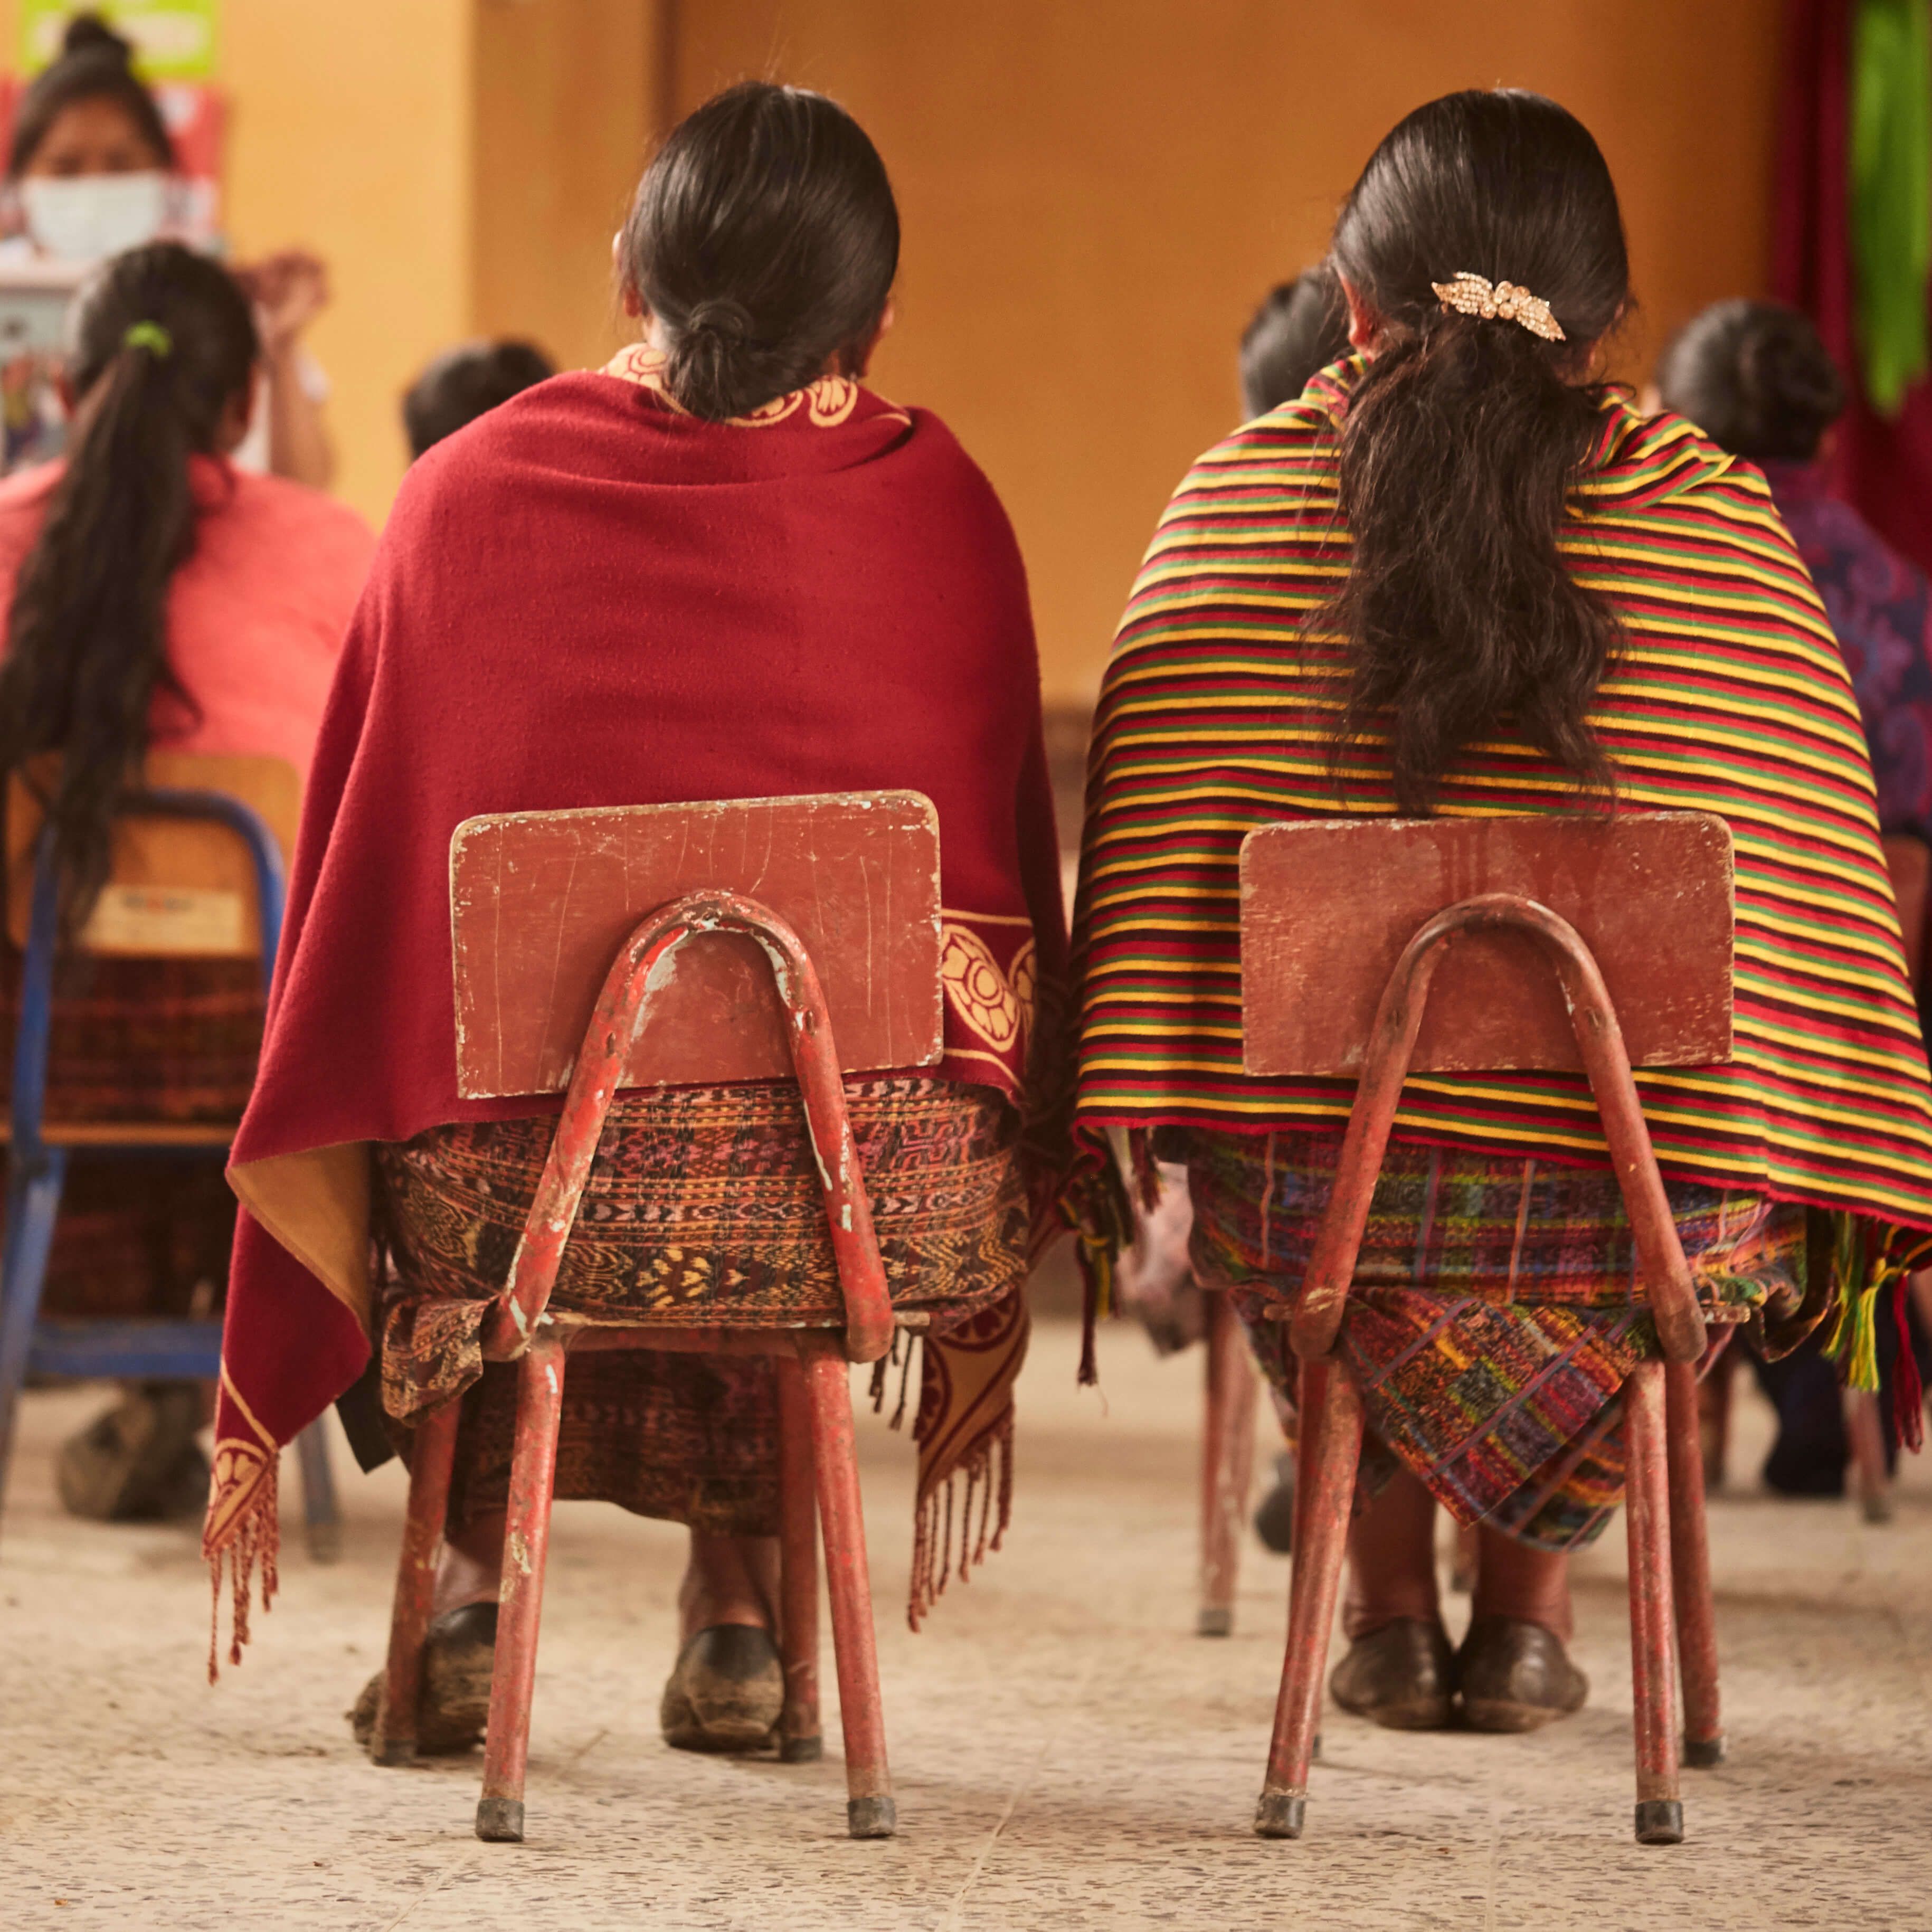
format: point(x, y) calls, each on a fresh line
point(727, 1693)
point(1402, 1677)
point(1516, 1676)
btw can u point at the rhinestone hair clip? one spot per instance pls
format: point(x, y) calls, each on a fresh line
point(1472, 295)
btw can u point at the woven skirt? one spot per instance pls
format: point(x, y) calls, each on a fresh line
point(142, 1039)
point(1495, 1312)
point(703, 1206)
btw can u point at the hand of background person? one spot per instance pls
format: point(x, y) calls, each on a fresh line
point(289, 290)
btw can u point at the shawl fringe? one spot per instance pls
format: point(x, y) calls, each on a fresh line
point(253, 1539)
point(938, 1553)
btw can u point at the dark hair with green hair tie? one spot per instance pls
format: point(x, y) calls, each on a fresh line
point(164, 356)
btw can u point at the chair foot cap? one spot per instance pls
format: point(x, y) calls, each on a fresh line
point(1701, 1753)
point(393, 1752)
point(1660, 1821)
point(1214, 1620)
point(499, 1821)
point(1280, 1815)
point(871, 1817)
point(801, 1751)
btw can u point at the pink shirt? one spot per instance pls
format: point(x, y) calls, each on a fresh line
point(257, 615)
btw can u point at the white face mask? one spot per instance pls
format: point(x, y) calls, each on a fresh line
point(88, 218)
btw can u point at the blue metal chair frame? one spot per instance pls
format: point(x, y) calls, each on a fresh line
point(37, 1172)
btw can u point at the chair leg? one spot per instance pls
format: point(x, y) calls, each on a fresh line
point(1330, 1448)
point(322, 1523)
point(500, 1811)
point(1690, 1571)
point(800, 1740)
point(1227, 1466)
point(431, 1459)
point(1659, 1814)
point(869, 1810)
point(33, 1206)
point(1864, 1432)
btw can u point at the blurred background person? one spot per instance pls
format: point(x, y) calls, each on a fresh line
point(1299, 328)
point(463, 383)
point(1756, 377)
point(91, 166)
point(157, 595)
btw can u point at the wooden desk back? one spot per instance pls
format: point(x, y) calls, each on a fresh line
point(180, 887)
point(541, 901)
point(1328, 905)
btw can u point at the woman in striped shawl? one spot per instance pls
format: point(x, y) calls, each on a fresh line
point(1459, 575)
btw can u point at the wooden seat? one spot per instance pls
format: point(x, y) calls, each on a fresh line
point(1376, 947)
point(197, 871)
point(646, 946)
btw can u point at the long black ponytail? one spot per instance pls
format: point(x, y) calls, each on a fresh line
point(164, 353)
point(1465, 439)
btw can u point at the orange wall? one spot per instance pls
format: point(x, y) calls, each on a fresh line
point(1096, 193)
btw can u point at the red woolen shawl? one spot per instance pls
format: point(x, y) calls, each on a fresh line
point(588, 597)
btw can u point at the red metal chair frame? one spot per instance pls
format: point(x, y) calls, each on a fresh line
point(815, 1411)
point(1227, 1463)
point(1669, 1557)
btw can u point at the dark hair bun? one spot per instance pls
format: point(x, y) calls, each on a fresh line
point(1756, 378)
point(89, 33)
point(764, 240)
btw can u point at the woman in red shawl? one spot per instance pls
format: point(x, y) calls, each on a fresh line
point(718, 569)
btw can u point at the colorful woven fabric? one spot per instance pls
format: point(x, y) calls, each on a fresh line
point(704, 1205)
point(1729, 696)
point(142, 1039)
point(1494, 1313)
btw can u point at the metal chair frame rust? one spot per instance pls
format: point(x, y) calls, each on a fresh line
point(1670, 1560)
point(815, 1412)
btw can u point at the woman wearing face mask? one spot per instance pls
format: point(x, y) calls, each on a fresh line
point(1461, 575)
point(92, 167)
point(156, 595)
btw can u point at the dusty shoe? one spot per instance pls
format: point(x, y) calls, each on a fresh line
point(128, 1464)
point(1274, 1521)
point(727, 1693)
point(1516, 1676)
point(1402, 1677)
point(458, 1656)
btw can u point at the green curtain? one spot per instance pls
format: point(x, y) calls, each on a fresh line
point(1891, 188)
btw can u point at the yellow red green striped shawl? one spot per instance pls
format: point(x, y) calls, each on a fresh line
point(1730, 696)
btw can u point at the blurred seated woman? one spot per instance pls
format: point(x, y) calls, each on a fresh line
point(720, 568)
point(157, 596)
point(1471, 580)
point(91, 171)
point(1757, 379)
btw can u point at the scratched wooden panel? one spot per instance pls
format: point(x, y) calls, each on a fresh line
point(160, 860)
point(1327, 906)
point(541, 901)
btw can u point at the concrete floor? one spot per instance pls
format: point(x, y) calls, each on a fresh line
point(1067, 1754)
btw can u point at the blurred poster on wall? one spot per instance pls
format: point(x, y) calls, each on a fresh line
point(176, 43)
point(175, 39)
